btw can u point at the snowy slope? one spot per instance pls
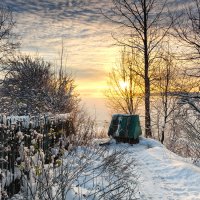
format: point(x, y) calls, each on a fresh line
point(162, 174)
point(92, 173)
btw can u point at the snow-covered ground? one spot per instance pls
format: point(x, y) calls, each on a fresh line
point(162, 174)
point(143, 171)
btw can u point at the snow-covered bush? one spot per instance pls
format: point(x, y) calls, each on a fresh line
point(30, 87)
point(58, 164)
point(33, 145)
point(184, 132)
point(25, 140)
point(82, 173)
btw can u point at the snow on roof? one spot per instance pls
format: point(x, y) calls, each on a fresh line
point(125, 115)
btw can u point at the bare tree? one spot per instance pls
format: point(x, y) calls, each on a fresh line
point(165, 103)
point(63, 95)
point(188, 33)
point(124, 93)
point(7, 37)
point(145, 26)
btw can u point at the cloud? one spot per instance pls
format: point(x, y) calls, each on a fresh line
point(86, 33)
point(73, 9)
point(88, 74)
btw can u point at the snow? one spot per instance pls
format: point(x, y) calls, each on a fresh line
point(163, 174)
point(160, 174)
point(26, 120)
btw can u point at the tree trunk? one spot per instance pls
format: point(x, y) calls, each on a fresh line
point(148, 132)
point(162, 136)
point(147, 81)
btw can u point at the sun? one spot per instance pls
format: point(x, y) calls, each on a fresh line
point(123, 84)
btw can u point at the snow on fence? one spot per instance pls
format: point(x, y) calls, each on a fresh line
point(33, 121)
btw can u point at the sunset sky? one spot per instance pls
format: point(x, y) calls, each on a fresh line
point(86, 34)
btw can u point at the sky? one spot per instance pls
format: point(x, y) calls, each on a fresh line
point(89, 49)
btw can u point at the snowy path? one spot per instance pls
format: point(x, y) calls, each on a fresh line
point(163, 175)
